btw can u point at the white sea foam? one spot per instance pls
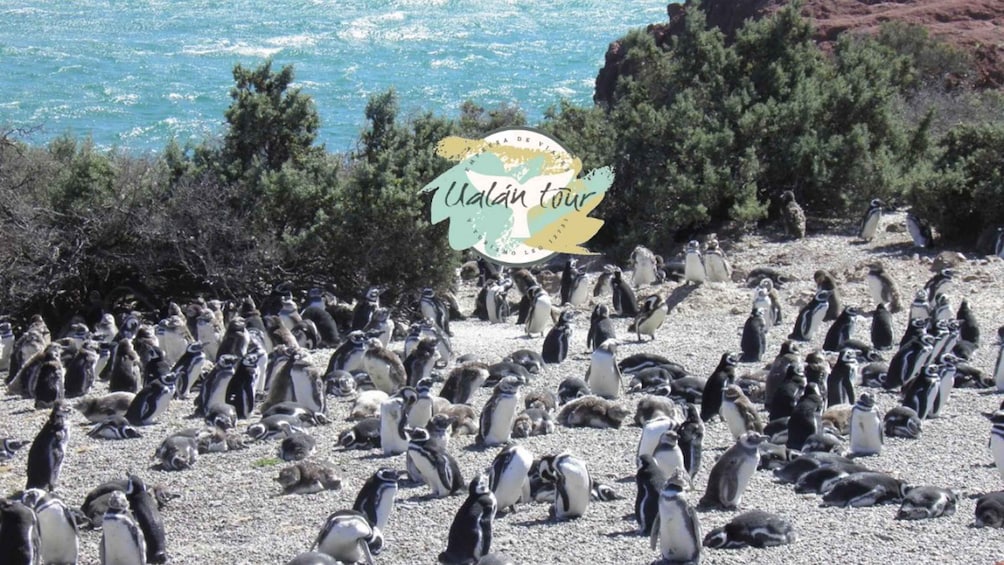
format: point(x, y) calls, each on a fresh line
point(226, 47)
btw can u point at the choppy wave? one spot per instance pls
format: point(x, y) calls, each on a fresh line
point(140, 75)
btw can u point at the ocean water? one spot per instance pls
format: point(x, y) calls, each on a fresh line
point(133, 74)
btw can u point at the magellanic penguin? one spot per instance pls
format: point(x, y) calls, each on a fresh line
point(509, 476)
point(810, 317)
point(347, 536)
point(214, 385)
point(765, 296)
point(384, 367)
point(921, 392)
point(842, 329)
point(677, 531)
point(624, 301)
point(497, 301)
point(498, 414)
point(732, 473)
point(690, 438)
point(152, 401)
point(863, 489)
point(81, 371)
point(433, 308)
point(144, 508)
point(434, 465)
point(926, 502)
point(177, 452)
point(882, 288)
point(393, 419)
point(601, 327)
point(555, 348)
point(739, 414)
point(840, 382)
point(939, 284)
point(693, 264)
point(806, 417)
point(792, 216)
point(57, 528)
point(754, 337)
point(45, 457)
point(6, 345)
point(866, 427)
point(573, 487)
point(908, 361)
point(568, 275)
point(122, 541)
point(881, 330)
point(835, 304)
point(653, 313)
point(668, 455)
point(376, 497)
point(643, 263)
point(649, 479)
point(997, 440)
point(421, 361)
point(603, 375)
point(381, 326)
point(470, 535)
point(539, 314)
point(189, 369)
point(723, 375)
point(716, 265)
point(871, 219)
point(755, 528)
point(365, 306)
point(920, 231)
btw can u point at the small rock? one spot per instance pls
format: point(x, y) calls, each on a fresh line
point(948, 259)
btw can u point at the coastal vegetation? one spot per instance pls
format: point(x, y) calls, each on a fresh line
point(702, 133)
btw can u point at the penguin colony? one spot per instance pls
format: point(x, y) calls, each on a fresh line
point(481, 486)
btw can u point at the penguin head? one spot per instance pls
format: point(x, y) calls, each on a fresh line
point(479, 485)
point(117, 501)
point(752, 439)
point(732, 393)
point(387, 475)
point(31, 497)
point(669, 439)
point(508, 385)
point(716, 538)
point(134, 484)
point(865, 401)
point(257, 431)
point(676, 483)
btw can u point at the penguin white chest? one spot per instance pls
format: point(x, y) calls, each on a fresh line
point(580, 293)
point(997, 448)
point(733, 418)
point(344, 542)
point(651, 434)
point(693, 268)
point(503, 414)
point(572, 497)
point(391, 439)
point(119, 543)
point(652, 322)
point(59, 540)
point(999, 369)
point(678, 543)
point(875, 288)
point(668, 458)
point(540, 315)
point(509, 487)
point(604, 377)
point(866, 432)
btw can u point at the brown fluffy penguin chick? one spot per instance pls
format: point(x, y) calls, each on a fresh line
point(792, 215)
point(739, 413)
point(308, 477)
point(651, 407)
point(592, 412)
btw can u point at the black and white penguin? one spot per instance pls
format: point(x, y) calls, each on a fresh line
point(787, 355)
point(6, 345)
point(375, 499)
point(806, 417)
point(381, 326)
point(690, 438)
point(753, 343)
point(57, 528)
point(20, 543)
point(755, 528)
point(716, 265)
point(498, 414)
point(122, 541)
point(810, 317)
point(421, 360)
point(863, 489)
point(297, 446)
point(651, 316)
point(555, 348)
point(81, 371)
point(464, 381)
point(579, 294)
point(393, 420)
point(840, 382)
point(384, 367)
point(347, 536)
point(152, 401)
point(649, 479)
point(189, 369)
point(921, 392)
point(723, 375)
point(434, 465)
point(470, 534)
point(114, 427)
point(882, 288)
point(45, 457)
point(214, 385)
point(870, 221)
point(940, 283)
point(677, 531)
point(990, 510)
point(601, 327)
point(497, 301)
point(997, 440)
point(568, 275)
point(603, 375)
point(667, 454)
point(908, 362)
point(787, 394)
point(841, 329)
point(349, 355)
point(866, 427)
point(732, 473)
point(738, 412)
point(433, 309)
point(571, 388)
point(765, 297)
point(969, 327)
point(365, 306)
point(508, 476)
point(881, 329)
point(573, 487)
point(901, 421)
point(625, 302)
point(9, 447)
point(539, 314)
point(920, 231)
point(144, 508)
point(926, 502)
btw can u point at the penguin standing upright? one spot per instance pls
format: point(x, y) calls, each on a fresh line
point(649, 479)
point(921, 392)
point(866, 427)
point(667, 454)
point(601, 327)
point(539, 314)
point(644, 267)
point(568, 275)
point(126, 368)
point(433, 465)
point(840, 383)
point(920, 231)
point(881, 329)
point(433, 309)
point(835, 304)
point(6, 345)
point(810, 317)
point(393, 419)
point(151, 401)
point(997, 440)
point(841, 330)
point(365, 306)
point(716, 265)
point(723, 375)
point(497, 300)
point(143, 505)
point(603, 375)
point(624, 300)
point(732, 473)
point(376, 497)
point(555, 348)
point(939, 284)
point(693, 264)
point(690, 438)
point(678, 529)
point(57, 528)
point(122, 541)
point(653, 313)
point(572, 485)
point(871, 219)
point(792, 216)
point(882, 287)
point(806, 417)
point(754, 338)
point(81, 372)
point(738, 412)
point(347, 536)
point(509, 475)
point(45, 457)
point(20, 543)
point(499, 412)
point(384, 367)
point(470, 535)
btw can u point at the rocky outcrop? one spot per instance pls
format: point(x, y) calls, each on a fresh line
point(975, 26)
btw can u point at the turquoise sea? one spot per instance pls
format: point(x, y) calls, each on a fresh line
point(133, 74)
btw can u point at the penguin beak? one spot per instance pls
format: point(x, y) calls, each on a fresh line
point(367, 556)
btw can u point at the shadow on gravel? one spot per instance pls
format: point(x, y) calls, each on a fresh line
point(534, 523)
point(678, 295)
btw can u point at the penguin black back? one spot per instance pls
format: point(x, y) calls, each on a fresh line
point(144, 507)
point(724, 375)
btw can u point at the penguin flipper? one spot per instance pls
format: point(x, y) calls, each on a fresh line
point(654, 536)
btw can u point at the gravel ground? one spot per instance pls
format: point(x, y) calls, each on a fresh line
point(231, 511)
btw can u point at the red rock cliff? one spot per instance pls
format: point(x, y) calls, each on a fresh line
point(976, 26)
